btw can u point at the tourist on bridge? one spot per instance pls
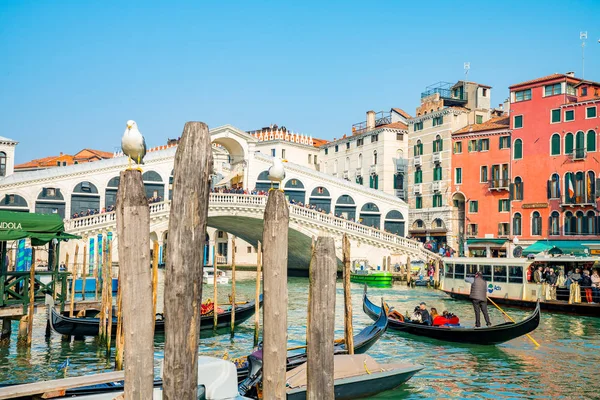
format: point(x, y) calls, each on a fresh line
point(479, 297)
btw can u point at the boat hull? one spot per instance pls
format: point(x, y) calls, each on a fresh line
point(373, 279)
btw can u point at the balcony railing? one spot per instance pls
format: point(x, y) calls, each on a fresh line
point(436, 186)
point(437, 157)
point(417, 188)
point(401, 194)
point(346, 174)
point(578, 201)
point(358, 171)
point(578, 154)
point(373, 169)
point(498, 184)
point(381, 118)
point(417, 161)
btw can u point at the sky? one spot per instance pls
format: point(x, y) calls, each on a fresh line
point(73, 72)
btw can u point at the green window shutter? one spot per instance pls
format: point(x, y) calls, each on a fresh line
point(469, 147)
point(590, 112)
point(555, 144)
point(591, 141)
point(518, 121)
point(518, 149)
point(376, 178)
point(555, 115)
point(569, 143)
point(441, 145)
point(371, 181)
point(499, 205)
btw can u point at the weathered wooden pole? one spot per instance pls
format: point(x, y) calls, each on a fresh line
point(275, 257)
point(84, 272)
point(119, 338)
point(389, 264)
point(320, 339)
point(56, 276)
point(95, 269)
point(133, 230)
point(103, 306)
point(73, 279)
point(183, 275)
point(215, 292)
point(109, 310)
point(31, 297)
point(257, 294)
point(408, 270)
point(383, 266)
point(436, 275)
point(232, 284)
point(348, 331)
point(154, 276)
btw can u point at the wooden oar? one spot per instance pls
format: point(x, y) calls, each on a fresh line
point(509, 317)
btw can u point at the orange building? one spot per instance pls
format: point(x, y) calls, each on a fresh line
point(555, 162)
point(62, 160)
point(480, 187)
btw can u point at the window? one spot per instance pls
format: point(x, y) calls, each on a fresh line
point(551, 90)
point(360, 142)
point(504, 142)
point(472, 145)
point(473, 206)
point(347, 164)
point(249, 249)
point(518, 121)
point(437, 173)
point(571, 90)
point(360, 160)
point(374, 157)
point(580, 144)
point(399, 136)
point(517, 224)
point(584, 91)
point(591, 141)
point(472, 229)
point(437, 144)
point(437, 200)
point(518, 154)
point(569, 143)
point(517, 189)
point(283, 153)
point(58, 163)
point(418, 202)
point(554, 187)
point(458, 176)
point(374, 182)
point(419, 176)
point(569, 115)
point(347, 145)
point(337, 148)
point(50, 192)
point(484, 92)
point(438, 120)
point(503, 205)
point(2, 163)
point(570, 223)
point(555, 145)
point(483, 176)
point(315, 159)
point(536, 224)
point(554, 223)
point(590, 112)
point(418, 126)
point(418, 148)
point(310, 158)
point(555, 116)
point(515, 274)
point(590, 226)
point(457, 147)
point(503, 229)
point(484, 144)
point(523, 95)
point(326, 150)
point(220, 234)
point(479, 119)
point(374, 138)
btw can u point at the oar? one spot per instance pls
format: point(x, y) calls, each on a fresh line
point(509, 317)
point(337, 341)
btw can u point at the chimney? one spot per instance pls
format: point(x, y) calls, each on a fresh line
point(370, 120)
point(61, 153)
point(570, 74)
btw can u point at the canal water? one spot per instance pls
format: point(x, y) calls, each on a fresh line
point(564, 367)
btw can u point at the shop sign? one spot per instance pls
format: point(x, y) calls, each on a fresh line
point(535, 205)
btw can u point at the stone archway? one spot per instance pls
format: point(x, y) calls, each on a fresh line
point(238, 145)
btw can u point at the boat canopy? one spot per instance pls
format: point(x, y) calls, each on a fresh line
point(577, 247)
point(40, 228)
point(489, 241)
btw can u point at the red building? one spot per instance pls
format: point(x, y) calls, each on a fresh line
point(480, 187)
point(555, 162)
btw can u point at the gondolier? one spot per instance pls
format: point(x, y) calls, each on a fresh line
point(479, 297)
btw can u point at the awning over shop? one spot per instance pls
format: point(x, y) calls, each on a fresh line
point(471, 242)
point(40, 228)
point(567, 246)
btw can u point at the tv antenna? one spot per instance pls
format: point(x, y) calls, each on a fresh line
point(583, 36)
point(467, 67)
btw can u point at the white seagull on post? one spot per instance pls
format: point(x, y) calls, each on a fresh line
point(133, 144)
point(276, 173)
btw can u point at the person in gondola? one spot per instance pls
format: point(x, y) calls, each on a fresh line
point(551, 279)
point(425, 317)
point(479, 297)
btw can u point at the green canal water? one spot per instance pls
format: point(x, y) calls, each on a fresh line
point(564, 367)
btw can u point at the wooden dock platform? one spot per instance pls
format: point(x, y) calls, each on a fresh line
point(16, 311)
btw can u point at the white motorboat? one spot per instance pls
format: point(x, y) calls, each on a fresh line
point(209, 276)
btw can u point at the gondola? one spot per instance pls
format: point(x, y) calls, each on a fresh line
point(486, 336)
point(86, 326)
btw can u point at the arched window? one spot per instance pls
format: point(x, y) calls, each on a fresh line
point(518, 154)
point(360, 160)
point(2, 163)
point(569, 143)
point(554, 223)
point(374, 157)
point(555, 145)
point(554, 187)
point(591, 141)
point(347, 164)
point(310, 159)
point(580, 223)
point(579, 188)
point(418, 148)
point(591, 187)
point(536, 224)
point(335, 167)
point(437, 173)
point(580, 143)
point(591, 223)
point(570, 188)
point(516, 224)
point(569, 225)
point(418, 176)
point(518, 189)
point(437, 144)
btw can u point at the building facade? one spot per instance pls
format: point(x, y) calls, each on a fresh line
point(444, 109)
point(7, 156)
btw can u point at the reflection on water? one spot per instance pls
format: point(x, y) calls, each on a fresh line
point(514, 369)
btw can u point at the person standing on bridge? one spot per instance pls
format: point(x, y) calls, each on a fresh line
point(479, 297)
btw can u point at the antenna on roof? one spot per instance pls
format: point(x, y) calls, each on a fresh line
point(583, 37)
point(467, 67)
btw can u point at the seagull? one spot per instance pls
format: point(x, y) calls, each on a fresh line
point(133, 144)
point(276, 173)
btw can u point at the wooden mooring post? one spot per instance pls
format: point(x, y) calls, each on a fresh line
point(257, 294)
point(31, 297)
point(119, 338)
point(133, 230)
point(348, 331)
point(84, 272)
point(109, 297)
point(232, 285)
point(73, 279)
point(320, 339)
point(275, 258)
point(154, 276)
point(215, 291)
point(183, 275)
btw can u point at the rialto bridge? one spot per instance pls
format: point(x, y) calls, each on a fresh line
point(374, 221)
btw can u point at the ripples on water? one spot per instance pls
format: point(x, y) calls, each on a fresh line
point(563, 367)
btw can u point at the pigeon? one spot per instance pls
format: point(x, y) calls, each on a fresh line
point(276, 172)
point(133, 143)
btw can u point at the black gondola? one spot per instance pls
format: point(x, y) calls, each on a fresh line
point(488, 336)
point(86, 326)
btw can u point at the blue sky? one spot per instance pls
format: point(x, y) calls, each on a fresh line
point(73, 72)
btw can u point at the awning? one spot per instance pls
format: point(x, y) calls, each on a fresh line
point(40, 228)
point(567, 246)
point(488, 241)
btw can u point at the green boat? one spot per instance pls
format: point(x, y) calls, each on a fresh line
point(371, 277)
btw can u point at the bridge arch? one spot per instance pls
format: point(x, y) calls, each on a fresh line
point(394, 223)
point(85, 196)
point(153, 184)
point(51, 201)
point(110, 193)
point(345, 207)
point(14, 202)
point(370, 215)
point(263, 183)
point(321, 198)
point(294, 190)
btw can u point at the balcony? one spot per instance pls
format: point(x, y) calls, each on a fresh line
point(381, 118)
point(417, 161)
point(437, 158)
point(358, 172)
point(373, 169)
point(401, 194)
point(436, 186)
point(578, 201)
point(400, 164)
point(453, 95)
point(578, 154)
point(498, 184)
point(417, 189)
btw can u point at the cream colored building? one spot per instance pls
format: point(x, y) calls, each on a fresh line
point(444, 109)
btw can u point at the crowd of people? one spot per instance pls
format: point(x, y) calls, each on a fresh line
point(556, 279)
point(110, 208)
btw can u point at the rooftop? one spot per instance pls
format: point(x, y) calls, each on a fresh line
point(543, 79)
point(489, 125)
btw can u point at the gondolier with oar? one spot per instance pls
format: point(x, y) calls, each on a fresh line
point(479, 297)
